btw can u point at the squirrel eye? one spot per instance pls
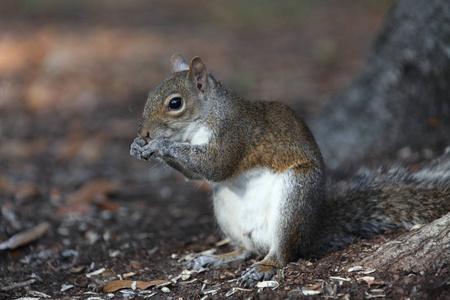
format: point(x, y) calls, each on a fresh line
point(175, 103)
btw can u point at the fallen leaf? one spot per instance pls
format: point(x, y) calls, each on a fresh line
point(267, 284)
point(136, 265)
point(25, 237)
point(77, 269)
point(6, 185)
point(67, 149)
point(81, 208)
point(433, 122)
point(314, 286)
point(355, 269)
point(116, 285)
point(96, 272)
point(80, 281)
point(104, 203)
point(91, 190)
point(369, 279)
point(108, 273)
point(129, 274)
point(27, 191)
point(307, 292)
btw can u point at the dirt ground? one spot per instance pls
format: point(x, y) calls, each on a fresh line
point(74, 76)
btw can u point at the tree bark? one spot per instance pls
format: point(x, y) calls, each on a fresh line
point(400, 99)
point(402, 96)
point(417, 251)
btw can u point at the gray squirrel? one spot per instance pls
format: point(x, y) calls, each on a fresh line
point(270, 194)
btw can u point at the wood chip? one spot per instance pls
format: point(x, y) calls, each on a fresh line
point(16, 285)
point(339, 278)
point(190, 281)
point(307, 292)
point(211, 291)
point(129, 274)
point(39, 294)
point(66, 287)
point(25, 237)
point(116, 285)
point(370, 271)
point(231, 292)
point(243, 289)
point(368, 279)
point(96, 272)
point(313, 286)
point(355, 269)
point(267, 284)
point(222, 243)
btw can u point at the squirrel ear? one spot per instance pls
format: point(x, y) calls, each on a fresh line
point(178, 64)
point(198, 72)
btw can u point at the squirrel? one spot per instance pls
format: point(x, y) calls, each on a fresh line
point(270, 193)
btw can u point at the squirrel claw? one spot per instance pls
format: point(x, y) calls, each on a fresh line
point(141, 149)
point(255, 274)
point(136, 150)
point(140, 141)
point(147, 154)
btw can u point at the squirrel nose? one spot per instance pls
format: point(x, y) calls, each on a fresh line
point(144, 133)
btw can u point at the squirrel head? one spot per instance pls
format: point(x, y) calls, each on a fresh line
point(177, 102)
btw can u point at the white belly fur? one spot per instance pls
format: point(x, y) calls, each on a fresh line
point(247, 208)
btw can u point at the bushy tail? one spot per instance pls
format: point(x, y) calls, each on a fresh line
point(374, 201)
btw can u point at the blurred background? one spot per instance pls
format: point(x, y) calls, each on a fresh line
point(74, 77)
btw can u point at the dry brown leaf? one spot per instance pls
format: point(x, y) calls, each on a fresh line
point(6, 185)
point(27, 191)
point(25, 237)
point(80, 281)
point(82, 208)
point(24, 148)
point(136, 265)
point(67, 149)
point(129, 274)
point(90, 191)
point(104, 203)
point(77, 269)
point(108, 273)
point(116, 285)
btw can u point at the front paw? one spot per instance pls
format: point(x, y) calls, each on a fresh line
point(145, 149)
point(137, 147)
point(156, 148)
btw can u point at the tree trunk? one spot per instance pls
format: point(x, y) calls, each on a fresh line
point(400, 99)
point(415, 252)
point(402, 96)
